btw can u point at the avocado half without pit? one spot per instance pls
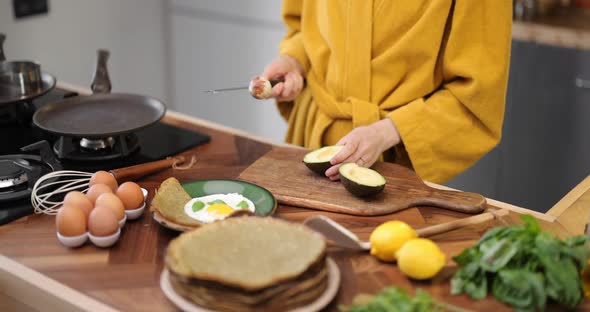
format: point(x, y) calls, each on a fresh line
point(318, 160)
point(361, 181)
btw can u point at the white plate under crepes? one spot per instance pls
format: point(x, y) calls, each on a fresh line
point(320, 303)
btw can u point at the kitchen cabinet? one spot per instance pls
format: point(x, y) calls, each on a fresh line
point(544, 150)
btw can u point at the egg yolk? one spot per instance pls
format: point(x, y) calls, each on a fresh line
point(221, 210)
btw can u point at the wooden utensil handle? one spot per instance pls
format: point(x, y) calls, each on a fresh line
point(135, 172)
point(453, 225)
point(453, 200)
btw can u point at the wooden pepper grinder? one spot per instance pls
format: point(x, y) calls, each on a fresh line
point(101, 83)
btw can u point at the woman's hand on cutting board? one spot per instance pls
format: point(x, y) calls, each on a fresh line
point(363, 145)
point(291, 71)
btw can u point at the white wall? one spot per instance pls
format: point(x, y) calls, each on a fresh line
point(224, 43)
point(65, 41)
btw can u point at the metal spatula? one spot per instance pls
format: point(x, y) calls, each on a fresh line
point(342, 237)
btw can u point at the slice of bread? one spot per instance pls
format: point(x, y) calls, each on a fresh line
point(169, 202)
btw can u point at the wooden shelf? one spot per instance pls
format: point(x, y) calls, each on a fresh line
point(568, 28)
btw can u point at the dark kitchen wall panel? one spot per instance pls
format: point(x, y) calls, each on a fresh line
point(545, 147)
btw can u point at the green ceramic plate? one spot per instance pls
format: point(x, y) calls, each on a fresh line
point(264, 202)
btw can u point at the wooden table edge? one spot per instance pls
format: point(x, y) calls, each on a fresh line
point(573, 210)
point(42, 293)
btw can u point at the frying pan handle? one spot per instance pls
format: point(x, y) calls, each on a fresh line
point(138, 171)
point(2, 38)
point(101, 83)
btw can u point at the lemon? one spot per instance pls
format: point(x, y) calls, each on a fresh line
point(420, 258)
point(388, 237)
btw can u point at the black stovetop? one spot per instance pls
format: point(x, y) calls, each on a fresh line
point(155, 142)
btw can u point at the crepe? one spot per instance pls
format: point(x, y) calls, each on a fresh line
point(293, 294)
point(286, 289)
point(169, 203)
point(248, 253)
point(249, 264)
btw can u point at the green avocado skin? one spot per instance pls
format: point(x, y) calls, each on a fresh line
point(319, 168)
point(360, 190)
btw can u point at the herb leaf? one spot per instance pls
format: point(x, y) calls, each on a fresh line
point(198, 205)
point(243, 204)
point(521, 289)
point(217, 201)
point(395, 299)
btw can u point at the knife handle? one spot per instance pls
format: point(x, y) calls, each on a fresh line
point(274, 82)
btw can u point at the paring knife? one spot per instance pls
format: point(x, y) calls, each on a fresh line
point(215, 91)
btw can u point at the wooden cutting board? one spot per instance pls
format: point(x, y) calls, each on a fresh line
point(283, 173)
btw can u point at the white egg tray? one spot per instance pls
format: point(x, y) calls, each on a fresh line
point(104, 241)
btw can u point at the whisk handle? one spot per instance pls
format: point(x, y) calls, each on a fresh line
point(133, 173)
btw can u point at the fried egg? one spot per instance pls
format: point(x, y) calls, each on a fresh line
point(216, 206)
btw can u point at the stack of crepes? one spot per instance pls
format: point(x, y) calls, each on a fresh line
point(249, 264)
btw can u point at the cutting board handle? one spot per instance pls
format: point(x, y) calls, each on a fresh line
point(453, 200)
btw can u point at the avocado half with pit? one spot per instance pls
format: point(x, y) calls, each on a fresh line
point(361, 181)
point(318, 160)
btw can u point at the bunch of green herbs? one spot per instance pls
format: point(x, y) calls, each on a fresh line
point(395, 299)
point(523, 267)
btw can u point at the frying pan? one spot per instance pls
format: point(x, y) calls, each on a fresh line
point(21, 80)
point(99, 115)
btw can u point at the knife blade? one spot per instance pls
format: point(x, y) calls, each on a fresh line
point(215, 91)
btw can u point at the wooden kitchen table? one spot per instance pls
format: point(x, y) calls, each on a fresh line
point(38, 273)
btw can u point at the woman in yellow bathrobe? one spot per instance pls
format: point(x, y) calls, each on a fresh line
point(421, 83)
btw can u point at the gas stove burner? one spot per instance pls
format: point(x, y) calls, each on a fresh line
point(11, 173)
point(18, 173)
point(97, 144)
point(83, 149)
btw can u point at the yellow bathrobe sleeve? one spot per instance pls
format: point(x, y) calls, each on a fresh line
point(448, 131)
point(292, 44)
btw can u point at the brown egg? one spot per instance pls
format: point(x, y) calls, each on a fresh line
point(80, 201)
point(102, 221)
point(70, 221)
point(103, 177)
point(97, 190)
point(131, 195)
point(111, 201)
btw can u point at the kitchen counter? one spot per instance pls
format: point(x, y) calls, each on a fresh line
point(37, 270)
point(566, 28)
